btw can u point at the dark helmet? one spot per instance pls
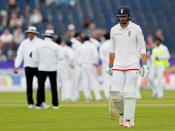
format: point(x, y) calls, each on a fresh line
point(124, 11)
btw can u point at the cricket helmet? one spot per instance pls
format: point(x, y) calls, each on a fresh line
point(124, 11)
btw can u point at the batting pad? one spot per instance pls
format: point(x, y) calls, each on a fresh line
point(129, 108)
point(117, 100)
point(112, 110)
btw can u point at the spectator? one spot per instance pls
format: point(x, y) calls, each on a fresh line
point(50, 2)
point(159, 34)
point(18, 35)
point(12, 5)
point(15, 20)
point(10, 54)
point(49, 26)
point(89, 27)
point(70, 32)
point(36, 17)
point(26, 16)
point(6, 37)
point(3, 19)
point(2, 56)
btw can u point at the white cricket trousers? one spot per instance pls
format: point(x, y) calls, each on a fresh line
point(105, 78)
point(66, 77)
point(86, 80)
point(126, 82)
point(156, 78)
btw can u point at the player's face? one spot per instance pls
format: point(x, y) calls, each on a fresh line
point(157, 42)
point(31, 35)
point(123, 19)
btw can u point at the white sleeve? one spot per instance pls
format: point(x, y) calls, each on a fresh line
point(20, 55)
point(166, 54)
point(141, 41)
point(113, 42)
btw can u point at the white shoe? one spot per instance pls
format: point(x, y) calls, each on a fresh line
point(55, 107)
point(127, 125)
point(38, 107)
point(30, 106)
point(45, 106)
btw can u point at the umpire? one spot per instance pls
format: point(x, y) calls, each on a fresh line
point(47, 55)
point(24, 54)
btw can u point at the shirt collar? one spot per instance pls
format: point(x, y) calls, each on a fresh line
point(129, 25)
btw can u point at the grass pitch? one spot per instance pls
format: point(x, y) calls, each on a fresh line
point(151, 115)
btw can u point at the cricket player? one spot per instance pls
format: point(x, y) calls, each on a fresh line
point(104, 57)
point(127, 47)
point(25, 53)
point(86, 74)
point(76, 40)
point(47, 56)
point(160, 56)
point(68, 74)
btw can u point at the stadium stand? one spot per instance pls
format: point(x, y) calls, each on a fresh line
point(150, 14)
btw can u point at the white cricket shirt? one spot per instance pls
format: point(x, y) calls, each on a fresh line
point(75, 43)
point(86, 54)
point(25, 52)
point(47, 55)
point(128, 44)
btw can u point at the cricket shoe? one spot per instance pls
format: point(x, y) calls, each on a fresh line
point(55, 107)
point(31, 106)
point(121, 121)
point(38, 107)
point(127, 125)
point(45, 106)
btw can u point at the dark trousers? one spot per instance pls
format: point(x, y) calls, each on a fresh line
point(30, 73)
point(42, 75)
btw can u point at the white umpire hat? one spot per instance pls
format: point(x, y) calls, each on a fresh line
point(49, 33)
point(32, 29)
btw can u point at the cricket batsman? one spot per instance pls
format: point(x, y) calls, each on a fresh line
point(127, 47)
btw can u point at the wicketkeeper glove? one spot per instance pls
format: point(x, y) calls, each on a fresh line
point(109, 72)
point(144, 71)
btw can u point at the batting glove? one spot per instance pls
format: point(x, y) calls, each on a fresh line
point(109, 72)
point(144, 71)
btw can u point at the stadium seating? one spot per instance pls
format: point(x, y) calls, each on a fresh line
point(150, 14)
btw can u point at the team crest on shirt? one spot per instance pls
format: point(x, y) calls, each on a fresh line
point(129, 33)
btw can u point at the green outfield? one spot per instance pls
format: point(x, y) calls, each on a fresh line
point(151, 115)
